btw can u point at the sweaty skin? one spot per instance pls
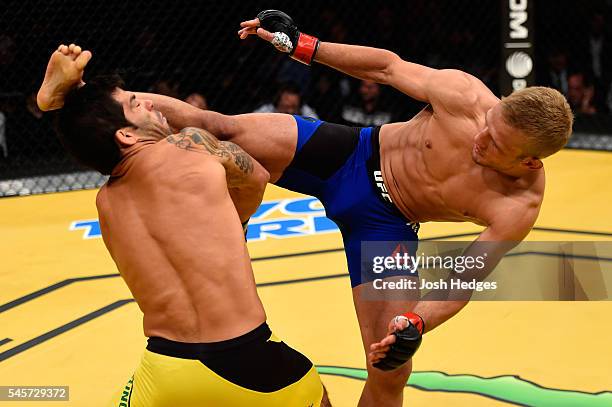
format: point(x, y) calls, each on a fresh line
point(431, 166)
point(169, 223)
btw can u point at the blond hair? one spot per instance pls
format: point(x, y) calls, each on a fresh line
point(543, 115)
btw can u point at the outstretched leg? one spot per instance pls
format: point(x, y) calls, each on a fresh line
point(270, 138)
point(64, 72)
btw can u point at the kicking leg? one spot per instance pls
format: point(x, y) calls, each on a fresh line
point(270, 138)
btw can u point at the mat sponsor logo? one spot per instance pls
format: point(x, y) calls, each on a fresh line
point(302, 217)
point(281, 219)
point(90, 228)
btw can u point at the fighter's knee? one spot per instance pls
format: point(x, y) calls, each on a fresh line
point(392, 379)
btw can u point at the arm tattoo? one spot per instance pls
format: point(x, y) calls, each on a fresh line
point(193, 139)
point(241, 158)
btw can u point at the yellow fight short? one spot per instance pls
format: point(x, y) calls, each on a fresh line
point(255, 369)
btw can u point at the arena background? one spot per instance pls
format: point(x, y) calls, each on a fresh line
point(181, 47)
point(65, 317)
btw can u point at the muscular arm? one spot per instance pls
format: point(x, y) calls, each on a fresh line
point(450, 90)
point(446, 88)
point(502, 235)
point(246, 178)
point(378, 65)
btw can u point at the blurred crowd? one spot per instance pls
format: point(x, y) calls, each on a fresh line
point(582, 70)
point(211, 69)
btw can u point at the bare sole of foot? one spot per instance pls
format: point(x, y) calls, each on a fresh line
point(64, 72)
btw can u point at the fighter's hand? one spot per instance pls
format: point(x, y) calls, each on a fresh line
point(280, 30)
point(252, 27)
point(404, 335)
point(379, 350)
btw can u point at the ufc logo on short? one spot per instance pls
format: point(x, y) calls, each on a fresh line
point(381, 185)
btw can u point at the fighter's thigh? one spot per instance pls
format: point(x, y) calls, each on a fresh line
point(270, 138)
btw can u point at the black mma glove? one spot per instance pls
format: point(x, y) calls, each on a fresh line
point(407, 342)
point(287, 37)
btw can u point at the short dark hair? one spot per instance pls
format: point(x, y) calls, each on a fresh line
point(87, 123)
point(287, 87)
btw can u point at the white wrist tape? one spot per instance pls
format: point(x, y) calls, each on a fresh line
point(399, 318)
point(282, 42)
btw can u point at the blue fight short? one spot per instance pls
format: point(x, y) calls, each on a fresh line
point(340, 165)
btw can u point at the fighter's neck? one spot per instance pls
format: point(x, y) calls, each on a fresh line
point(128, 153)
point(519, 173)
point(521, 178)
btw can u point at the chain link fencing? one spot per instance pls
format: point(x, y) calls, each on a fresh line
point(190, 50)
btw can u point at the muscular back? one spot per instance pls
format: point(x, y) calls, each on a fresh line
point(169, 223)
point(428, 166)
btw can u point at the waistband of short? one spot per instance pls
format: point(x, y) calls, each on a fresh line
point(375, 140)
point(186, 350)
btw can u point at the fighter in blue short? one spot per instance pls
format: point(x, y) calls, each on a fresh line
point(340, 165)
point(466, 157)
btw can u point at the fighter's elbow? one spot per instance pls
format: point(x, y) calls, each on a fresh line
point(256, 180)
point(389, 64)
point(261, 176)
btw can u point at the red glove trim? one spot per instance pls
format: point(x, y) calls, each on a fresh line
point(416, 320)
point(306, 48)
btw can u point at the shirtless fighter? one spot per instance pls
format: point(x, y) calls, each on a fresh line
point(170, 225)
point(466, 143)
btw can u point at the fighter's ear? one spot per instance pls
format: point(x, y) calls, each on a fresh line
point(126, 137)
point(533, 163)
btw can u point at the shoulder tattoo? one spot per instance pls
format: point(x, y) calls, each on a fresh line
point(201, 141)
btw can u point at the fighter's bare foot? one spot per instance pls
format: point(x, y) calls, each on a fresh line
point(64, 71)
